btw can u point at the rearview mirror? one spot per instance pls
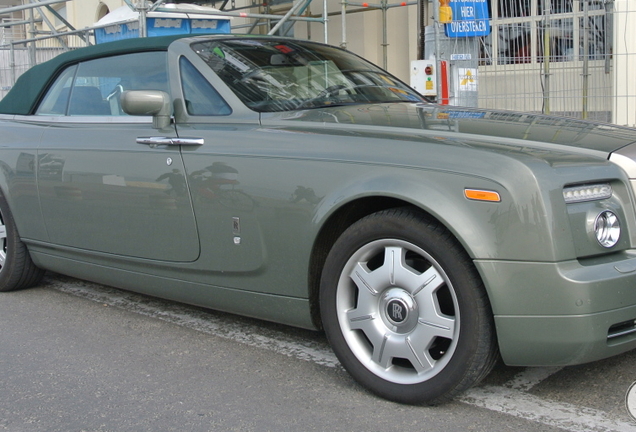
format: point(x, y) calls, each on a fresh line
point(148, 102)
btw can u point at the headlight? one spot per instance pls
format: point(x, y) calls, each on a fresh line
point(607, 229)
point(574, 194)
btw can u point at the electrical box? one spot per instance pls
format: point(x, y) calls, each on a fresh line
point(424, 76)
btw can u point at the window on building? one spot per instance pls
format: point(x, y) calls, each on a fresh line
point(102, 11)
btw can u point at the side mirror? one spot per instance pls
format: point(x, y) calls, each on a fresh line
point(148, 102)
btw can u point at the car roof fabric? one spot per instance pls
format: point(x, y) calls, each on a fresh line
point(28, 89)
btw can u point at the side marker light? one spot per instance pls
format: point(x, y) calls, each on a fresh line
point(482, 195)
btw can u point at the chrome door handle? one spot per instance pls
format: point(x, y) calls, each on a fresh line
point(157, 141)
point(188, 141)
point(154, 141)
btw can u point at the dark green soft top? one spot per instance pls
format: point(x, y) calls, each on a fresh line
point(28, 89)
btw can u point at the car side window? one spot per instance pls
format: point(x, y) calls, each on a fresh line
point(56, 100)
point(93, 87)
point(201, 99)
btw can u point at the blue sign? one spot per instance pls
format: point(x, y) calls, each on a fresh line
point(470, 18)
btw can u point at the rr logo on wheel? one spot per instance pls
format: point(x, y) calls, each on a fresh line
point(396, 311)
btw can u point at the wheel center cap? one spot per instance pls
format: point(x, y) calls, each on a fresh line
point(397, 311)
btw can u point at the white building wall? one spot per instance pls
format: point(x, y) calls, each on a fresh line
point(80, 13)
point(84, 13)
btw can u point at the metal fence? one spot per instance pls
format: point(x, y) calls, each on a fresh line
point(555, 58)
point(18, 56)
point(564, 57)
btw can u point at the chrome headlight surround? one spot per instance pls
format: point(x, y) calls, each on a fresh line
point(607, 229)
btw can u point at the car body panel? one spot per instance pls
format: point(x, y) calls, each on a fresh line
point(506, 130)
point(561, 340)
point(166, 280)
point(18, 180)
point(522, 172)
point(94, 173)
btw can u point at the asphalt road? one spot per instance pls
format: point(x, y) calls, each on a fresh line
point(76, 356)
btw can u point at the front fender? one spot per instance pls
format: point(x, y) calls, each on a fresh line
point(487, 230)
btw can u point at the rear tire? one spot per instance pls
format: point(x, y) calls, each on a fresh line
point(405, 310)
point(17, 270)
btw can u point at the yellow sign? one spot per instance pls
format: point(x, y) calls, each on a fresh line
point(467, 79)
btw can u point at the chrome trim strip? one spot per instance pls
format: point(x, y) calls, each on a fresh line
point(621, 333)
point(84, 119)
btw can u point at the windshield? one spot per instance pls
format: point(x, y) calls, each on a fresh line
point(280, 75)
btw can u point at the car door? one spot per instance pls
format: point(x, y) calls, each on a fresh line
point(102, 186)
point(246, 197)
point(231, 236)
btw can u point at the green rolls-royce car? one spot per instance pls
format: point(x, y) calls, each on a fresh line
point(295, 182)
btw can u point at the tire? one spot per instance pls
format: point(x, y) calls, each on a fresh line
point(17, 271)
point(404, 309)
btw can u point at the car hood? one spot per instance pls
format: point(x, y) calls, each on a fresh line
point(465, 125)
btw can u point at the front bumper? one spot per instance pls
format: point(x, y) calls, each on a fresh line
point(573, 312)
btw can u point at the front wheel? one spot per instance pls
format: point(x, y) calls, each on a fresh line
point(405, 310)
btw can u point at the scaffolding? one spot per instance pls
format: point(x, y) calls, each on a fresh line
point(276, 23)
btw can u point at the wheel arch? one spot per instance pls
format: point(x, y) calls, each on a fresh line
point(336, 223)
point(438, 195)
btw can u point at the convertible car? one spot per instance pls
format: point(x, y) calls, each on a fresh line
point(295, 182)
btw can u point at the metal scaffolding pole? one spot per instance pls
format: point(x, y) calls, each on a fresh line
point(12, 65)
point(325, 20)
point(143, 13)
point(298, 5)
point(51, 26)
point(240, 14)
point(32, 58)
point(343, 13)
point(29, 6)
point(586, 58)
point(438, 48)
point(546, 61)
